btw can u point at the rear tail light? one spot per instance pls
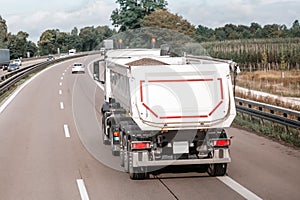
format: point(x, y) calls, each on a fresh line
point(116, 136)
point(140, 145)
point(220, 142)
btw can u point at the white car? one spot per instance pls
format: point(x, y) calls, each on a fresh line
point(17, 61)
point(78, 67)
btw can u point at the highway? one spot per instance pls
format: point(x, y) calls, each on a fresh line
point(51, 148)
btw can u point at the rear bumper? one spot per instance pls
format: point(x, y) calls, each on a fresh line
point(141, 159)
point(180, 162)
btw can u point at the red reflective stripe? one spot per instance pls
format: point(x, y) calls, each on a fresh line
point(182, 117)
point(150, 110)
point(187, 80)
point(210, 114)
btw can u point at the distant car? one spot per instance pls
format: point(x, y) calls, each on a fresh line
point(72, 52)
point(62, 55)
point(17, 61)
point(78, 67)
point(102, 51)
point(12, 67)
point(50, 57)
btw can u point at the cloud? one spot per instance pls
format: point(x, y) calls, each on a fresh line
point(37, 16)
point(215, 13)
point(93, 13)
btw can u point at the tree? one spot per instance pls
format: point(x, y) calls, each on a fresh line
point(204, 33)
point(48, 42)
point(295, 29)
point(88, 36)
point(3, 33)
point(19, 45)
point(165, 19)
point(132, 12)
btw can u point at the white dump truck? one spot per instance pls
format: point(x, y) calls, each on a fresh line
point(164, 111)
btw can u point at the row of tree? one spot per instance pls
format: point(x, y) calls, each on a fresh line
point(87, 39)
point(52, 41)
point(255, 30)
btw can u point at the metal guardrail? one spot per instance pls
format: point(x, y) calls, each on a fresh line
point(10, 79)
point(283, 116)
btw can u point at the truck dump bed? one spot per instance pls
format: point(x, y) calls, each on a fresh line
point(171, 93)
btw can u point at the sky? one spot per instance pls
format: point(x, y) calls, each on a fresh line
point(36, 16)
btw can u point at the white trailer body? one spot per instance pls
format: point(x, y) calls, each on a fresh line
point(4, 57)
point(173, 96)
point(163, 110)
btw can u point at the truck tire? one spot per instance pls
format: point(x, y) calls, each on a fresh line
point(105, 140)
point(135, 173)
point(217, 169)
point(125, 161)
point(115, 153)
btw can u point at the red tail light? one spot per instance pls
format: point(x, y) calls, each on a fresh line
point(116, 134)
point(140, 145)
point(221, 143)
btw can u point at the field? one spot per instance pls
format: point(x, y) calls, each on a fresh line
point(281, 83)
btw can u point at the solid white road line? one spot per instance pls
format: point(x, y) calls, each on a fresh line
point(239, 188)
point(91, 75)
point(18, 90)
point(60, 92)
point(82, 190)
point(66, 130)
point(61, 105)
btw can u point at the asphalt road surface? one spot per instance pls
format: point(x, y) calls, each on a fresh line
point(51, 148)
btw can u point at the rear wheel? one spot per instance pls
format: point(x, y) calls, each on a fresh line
point(105, 139)
point(217, 169)
point(135, 173)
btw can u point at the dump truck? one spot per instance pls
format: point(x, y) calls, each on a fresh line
point(4, 57)
point(160, 111)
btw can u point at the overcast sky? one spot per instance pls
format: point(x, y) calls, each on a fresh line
point(36, 16)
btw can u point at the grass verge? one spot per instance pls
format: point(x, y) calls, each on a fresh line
point(274, 131)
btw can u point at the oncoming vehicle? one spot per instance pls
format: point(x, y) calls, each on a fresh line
point(12, 67)
point(50, 58)
point(17, 61)
point(78, 67)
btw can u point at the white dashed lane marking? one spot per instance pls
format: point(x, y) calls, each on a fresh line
point(239, 188)
point(66, 130)
point(82, 190)
point(62, 105)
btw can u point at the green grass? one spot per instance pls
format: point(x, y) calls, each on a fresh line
point(275, 131)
